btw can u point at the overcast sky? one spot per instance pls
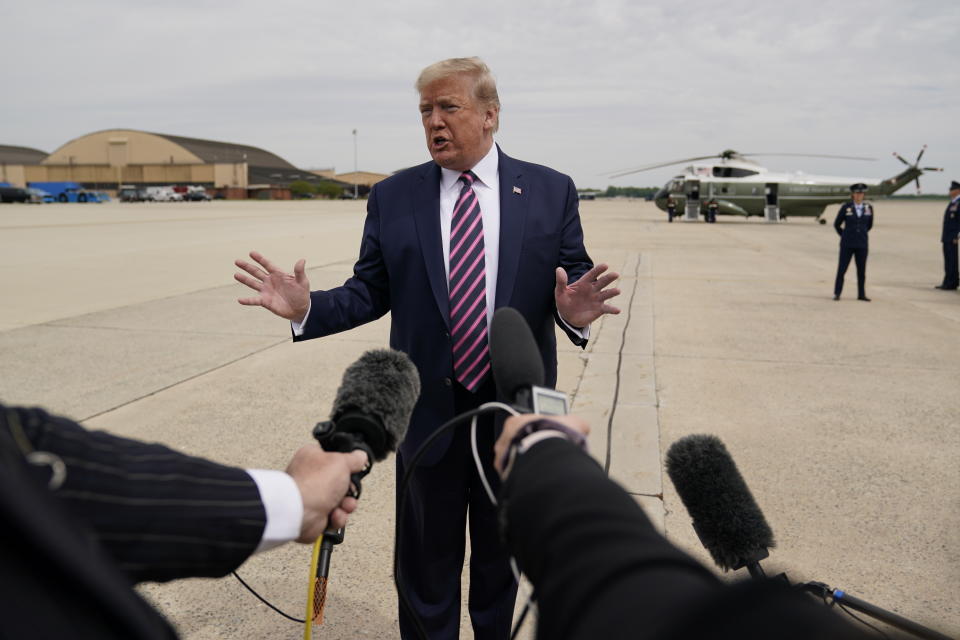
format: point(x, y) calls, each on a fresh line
point(586, 87)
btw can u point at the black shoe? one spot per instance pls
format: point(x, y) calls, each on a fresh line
point(864, 298)
point(940, 286)
point(836, 296)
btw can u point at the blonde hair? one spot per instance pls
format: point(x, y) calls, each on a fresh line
point(484, 85)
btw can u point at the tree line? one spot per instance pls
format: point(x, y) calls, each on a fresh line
point(623, 192)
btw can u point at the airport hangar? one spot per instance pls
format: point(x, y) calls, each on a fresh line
point(104, 160)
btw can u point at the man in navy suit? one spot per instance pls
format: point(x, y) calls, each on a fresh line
point(853, 223)
point(524, 249)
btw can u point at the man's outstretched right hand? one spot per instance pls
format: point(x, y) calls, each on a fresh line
point(286, 295)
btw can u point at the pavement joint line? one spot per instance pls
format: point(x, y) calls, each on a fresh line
point(187, 379)
point(161, 299)
point(580, 376)
point(857, 365)
point(616, 390)
point(59, 324)
point(658, 496)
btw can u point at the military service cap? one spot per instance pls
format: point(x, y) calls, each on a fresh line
point(858, 187)
point(954, 185)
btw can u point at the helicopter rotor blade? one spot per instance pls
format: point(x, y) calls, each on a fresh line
point(932, 168)
point(920, 155)
point(623, 172)
point(900, 158)
point(810, 155)
point(917, 180)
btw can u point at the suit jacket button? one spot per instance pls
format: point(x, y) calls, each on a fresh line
point(447, 382)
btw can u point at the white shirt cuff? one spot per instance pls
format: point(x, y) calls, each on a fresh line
point(583, 333)
point(298, 326)
point(283, 505)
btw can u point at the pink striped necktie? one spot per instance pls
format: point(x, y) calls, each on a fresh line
point(468, 289)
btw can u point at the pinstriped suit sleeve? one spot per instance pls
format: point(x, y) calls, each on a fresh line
point(160, 514)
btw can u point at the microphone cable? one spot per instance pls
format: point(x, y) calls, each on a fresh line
point(316, 594)
point(265, 601)
point(493, 500)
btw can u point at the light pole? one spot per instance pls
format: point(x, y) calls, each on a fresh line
point(355, 171)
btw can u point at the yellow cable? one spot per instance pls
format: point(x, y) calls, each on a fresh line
point(308, 619)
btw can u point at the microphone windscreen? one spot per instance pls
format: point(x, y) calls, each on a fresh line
point(383, 383)
point(725, 515)
point(514, 356)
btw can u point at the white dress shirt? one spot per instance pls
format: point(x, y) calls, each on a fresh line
point(283, 505)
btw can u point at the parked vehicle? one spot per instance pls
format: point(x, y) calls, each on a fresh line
point(14, 194)
point(164, 194)
point(130, 193)
point(39, 196)
point(197, 194)
point(66, 191)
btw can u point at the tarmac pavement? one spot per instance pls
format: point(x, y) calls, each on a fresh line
point(842, 416)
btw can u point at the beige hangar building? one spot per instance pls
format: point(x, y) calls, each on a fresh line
point(107, 159)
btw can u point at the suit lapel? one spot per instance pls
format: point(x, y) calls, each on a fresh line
point(514, 207)
point(427, 218)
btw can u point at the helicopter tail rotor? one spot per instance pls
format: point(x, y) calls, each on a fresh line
point(916, 165)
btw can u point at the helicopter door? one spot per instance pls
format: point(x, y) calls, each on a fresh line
point(771, 210)
point(692, 190)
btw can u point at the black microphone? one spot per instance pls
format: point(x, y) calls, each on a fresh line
point(518, 366)
point(371, 412)
point(372, 408)
point(725, 516)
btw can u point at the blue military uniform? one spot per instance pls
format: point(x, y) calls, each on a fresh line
point(949, 236)
point(853, 224)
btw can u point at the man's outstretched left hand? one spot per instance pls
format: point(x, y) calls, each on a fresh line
point(585, 300)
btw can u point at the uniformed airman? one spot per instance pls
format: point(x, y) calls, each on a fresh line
point(671, 209)
point(949, 237)
point(853, 223)
point(712, 208)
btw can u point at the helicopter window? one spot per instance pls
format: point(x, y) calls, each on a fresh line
point(733, 172)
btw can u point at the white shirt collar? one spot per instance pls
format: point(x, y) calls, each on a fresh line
point(485, 170)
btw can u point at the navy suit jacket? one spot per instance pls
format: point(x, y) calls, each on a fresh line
point(400, 270)
point(853, 230)
point(951, 222)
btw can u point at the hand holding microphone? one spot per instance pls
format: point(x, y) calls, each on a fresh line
point(518, 425)
point(323, 479)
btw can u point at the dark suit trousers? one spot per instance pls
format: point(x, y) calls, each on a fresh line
point(432, 543)
point(860, 255)
point(951, 277)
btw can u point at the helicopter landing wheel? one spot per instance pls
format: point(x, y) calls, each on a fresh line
point(821, 221)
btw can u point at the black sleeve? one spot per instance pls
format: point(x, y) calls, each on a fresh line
point(591, 553)
point(159, 514)
point(838, 223)
point(601, 571)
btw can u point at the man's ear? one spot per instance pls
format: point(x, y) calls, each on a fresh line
point(490, 115)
